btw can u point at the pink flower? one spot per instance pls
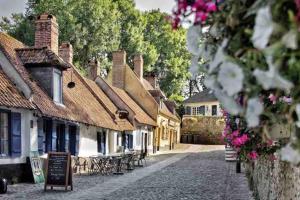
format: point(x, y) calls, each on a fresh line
point(287, 100)
point(272, 98)
point(200, 17)
point(240, 141)
point(236, 133)
point(211, 7)
point(270, 142)
point(253, 155)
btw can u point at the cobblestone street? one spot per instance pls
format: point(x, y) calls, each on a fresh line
point(198, 172)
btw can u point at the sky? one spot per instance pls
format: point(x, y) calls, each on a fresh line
point(7, 7)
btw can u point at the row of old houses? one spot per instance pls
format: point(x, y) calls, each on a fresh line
point(47, 105)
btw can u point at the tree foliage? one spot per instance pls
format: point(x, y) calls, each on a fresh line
point(96, 29)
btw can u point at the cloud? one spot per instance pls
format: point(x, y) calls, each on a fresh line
point(7, 7)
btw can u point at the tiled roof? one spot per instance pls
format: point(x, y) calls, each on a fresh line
point(79, 103)
point(164, 110)
point(40, 56)
point(10, 96)
point(141, 116)
point(204, 96)
point(122, 123)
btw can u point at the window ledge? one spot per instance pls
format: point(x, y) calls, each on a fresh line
point(60, 104)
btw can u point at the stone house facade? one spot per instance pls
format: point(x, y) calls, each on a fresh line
point(203, 118)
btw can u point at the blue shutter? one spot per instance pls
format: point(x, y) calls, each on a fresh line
point(188, 110)
point(54, 137)
point(40, 136)
point(67, 143)
point(77, 140)
point(15, 134)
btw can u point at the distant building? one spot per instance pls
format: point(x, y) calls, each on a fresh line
point(202, 122)
point(202, 104)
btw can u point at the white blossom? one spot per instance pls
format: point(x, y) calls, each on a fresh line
point(219, 57)
point(271, 79)
point(193, 40)
point(263, 28)
point(231, 78)
point(211, 83)
point(289, 154)
point(228, 102)
point(254, 110)
point(194, 67)
point(290, 39)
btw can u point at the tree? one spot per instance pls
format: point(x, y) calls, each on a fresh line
point(96, 29)
point(173, 61)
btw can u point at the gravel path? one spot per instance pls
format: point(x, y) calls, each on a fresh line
point(198, 172)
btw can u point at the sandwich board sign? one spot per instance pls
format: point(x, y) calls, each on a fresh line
point(58, 170)
point(36, 167)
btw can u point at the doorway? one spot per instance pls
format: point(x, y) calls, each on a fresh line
point(101, 142)
point(60, 138)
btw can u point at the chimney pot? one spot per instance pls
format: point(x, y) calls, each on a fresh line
point(66, 52)
point(46, 32)
point(152, 79)
point(93, 70)
point(118, 69)
point(138, 66)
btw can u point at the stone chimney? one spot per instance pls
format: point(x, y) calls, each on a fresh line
point(118, 69)
point(138, 66)
point(93, 69)
point(152, 79)
point(66, 52)
point(46, 32)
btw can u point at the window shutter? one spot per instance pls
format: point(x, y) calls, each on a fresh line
point(54, 137)
point(40, 136)
point(77, 140)
point(188, 110)
point(15, 134)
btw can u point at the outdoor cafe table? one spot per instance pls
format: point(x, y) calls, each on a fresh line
point(118, 157)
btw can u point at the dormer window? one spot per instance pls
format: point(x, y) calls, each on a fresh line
point(57, 86)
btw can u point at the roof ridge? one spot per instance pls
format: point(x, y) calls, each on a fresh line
point(93, 93)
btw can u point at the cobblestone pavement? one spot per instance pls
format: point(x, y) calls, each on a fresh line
point(198, 172)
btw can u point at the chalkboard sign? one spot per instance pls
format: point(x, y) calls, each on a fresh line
point(36, 167)
point(58, 170)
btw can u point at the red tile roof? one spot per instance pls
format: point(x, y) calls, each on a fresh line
point(40, 56)
point(79, 104)
point(140, 115)
point(10, 96)
point(164, 110)
point(122, 123)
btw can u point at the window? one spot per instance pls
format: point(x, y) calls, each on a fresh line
point(57, 86)
point(194, 111)
point(4, 134)
point(214, 110)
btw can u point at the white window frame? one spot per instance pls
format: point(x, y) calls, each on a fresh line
point(57, 99)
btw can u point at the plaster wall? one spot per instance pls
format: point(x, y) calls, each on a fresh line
point(29, 136)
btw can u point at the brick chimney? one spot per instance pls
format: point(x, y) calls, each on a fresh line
point(93, 69)
point(138, 66)
point(66, 52)
point(152, 79)
point(46, 32)
point(118, 69)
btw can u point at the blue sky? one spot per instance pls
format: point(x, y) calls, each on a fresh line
point(16, 6)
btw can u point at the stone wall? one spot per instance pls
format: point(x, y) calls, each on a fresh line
point(274, 180)
point(207, 128)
